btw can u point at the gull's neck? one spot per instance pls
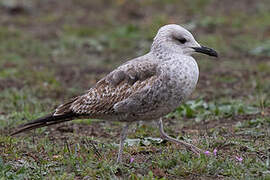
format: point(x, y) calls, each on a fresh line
point(162, 52)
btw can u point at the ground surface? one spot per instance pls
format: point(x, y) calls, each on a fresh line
point(53, 50)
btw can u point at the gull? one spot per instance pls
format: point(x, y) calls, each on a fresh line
point(145, 88)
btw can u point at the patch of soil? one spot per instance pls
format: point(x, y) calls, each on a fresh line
point(11, 83)
point(60, 133)
point(226, 122)
point(69, 75)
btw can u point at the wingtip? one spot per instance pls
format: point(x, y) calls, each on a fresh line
point(20, 129)
point(13, 133)
point(43, 121)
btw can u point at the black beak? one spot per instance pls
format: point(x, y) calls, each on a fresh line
point(206, 50)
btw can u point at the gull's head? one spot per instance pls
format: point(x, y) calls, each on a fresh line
point(176, 39)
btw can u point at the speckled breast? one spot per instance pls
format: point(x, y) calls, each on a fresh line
point(178, 79)
point(182, 76)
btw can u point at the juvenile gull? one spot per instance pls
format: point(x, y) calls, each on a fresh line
point(142, 89)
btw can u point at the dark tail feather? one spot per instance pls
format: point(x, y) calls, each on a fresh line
point(44, 121)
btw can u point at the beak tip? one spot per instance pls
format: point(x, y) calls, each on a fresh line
point(206, 50)
point(215, 54)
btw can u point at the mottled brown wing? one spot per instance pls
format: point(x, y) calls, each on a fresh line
point(99, 101)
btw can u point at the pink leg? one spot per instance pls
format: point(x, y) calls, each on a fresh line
point(122, 141)
point(191, 147)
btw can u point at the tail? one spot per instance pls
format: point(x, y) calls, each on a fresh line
point(44, 121)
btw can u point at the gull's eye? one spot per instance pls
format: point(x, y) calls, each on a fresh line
point(182, 40)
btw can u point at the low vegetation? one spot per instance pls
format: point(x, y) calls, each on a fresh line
point(51, 51)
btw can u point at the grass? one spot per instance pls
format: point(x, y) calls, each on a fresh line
point(48, 55)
